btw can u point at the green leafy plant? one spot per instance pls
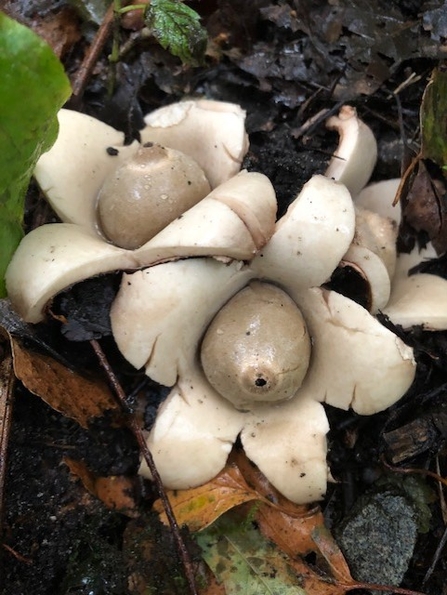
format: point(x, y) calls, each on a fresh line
point(33, 86)
point(176, 27)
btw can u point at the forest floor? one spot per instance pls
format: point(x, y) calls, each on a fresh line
point(283, 62)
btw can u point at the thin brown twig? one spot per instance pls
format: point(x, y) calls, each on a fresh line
point(377, 587)
point(137, 432)
point(17, 555)
point(414, 471)
point(7, 380)
point(437, 555)
point(91, 57)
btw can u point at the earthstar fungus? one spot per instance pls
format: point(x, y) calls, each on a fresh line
point(148, 191)
point(408, 299)
point(225, 305)
point(205, 333)
point(86, 156)
point(415, 299)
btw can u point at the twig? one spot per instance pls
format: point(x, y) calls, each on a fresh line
point(7, 379)
point(414, 471)
point(376, 587)
point(91, 57)
point(17, 555)
point(436, 557)
point(136, 430)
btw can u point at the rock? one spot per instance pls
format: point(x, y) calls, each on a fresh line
point(378, 538)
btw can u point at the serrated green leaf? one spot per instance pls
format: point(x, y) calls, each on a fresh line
point(33, 86)
point(244, 561)
point(177, 28)
point(434, 119)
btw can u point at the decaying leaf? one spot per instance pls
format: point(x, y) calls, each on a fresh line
point(327, 547)
point(60, 30)
point(292, 532)
point(423, 191)
point(199, 507)
point(66, 391)
point(238, 554)
point(252, 535)
point(241, 556)
point(424, 202)
point(352, 47)
point(114, 491)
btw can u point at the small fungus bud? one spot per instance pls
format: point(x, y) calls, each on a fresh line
point(147, 192)
point(257, 348)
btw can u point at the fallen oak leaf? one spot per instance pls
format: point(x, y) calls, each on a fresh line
point(64, 390)
point(325, 544)
point(291, 533)
point(287, 524)
point(199, 507)
point(235, 561)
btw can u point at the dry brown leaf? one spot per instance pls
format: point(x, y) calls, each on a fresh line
point(314, 583)
point(63, 389)
point(287, 524)
point(81, 471)
point(422, 194)
point(291, 533)
point(423, 189)
point(199, 507)
point(60, 30)
point(114, 491)
point(328, 548)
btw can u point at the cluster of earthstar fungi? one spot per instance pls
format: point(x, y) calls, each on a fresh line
point(222, 302)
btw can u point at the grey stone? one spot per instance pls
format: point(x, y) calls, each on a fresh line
point(378, 538)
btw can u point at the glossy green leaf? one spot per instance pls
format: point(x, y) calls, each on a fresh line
point(33, 86)
point(177, 28)
point(244, 561)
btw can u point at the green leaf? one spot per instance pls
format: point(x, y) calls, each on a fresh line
point(239, 555)
point(434, 119)
point(33, 86)
point(177, 28)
